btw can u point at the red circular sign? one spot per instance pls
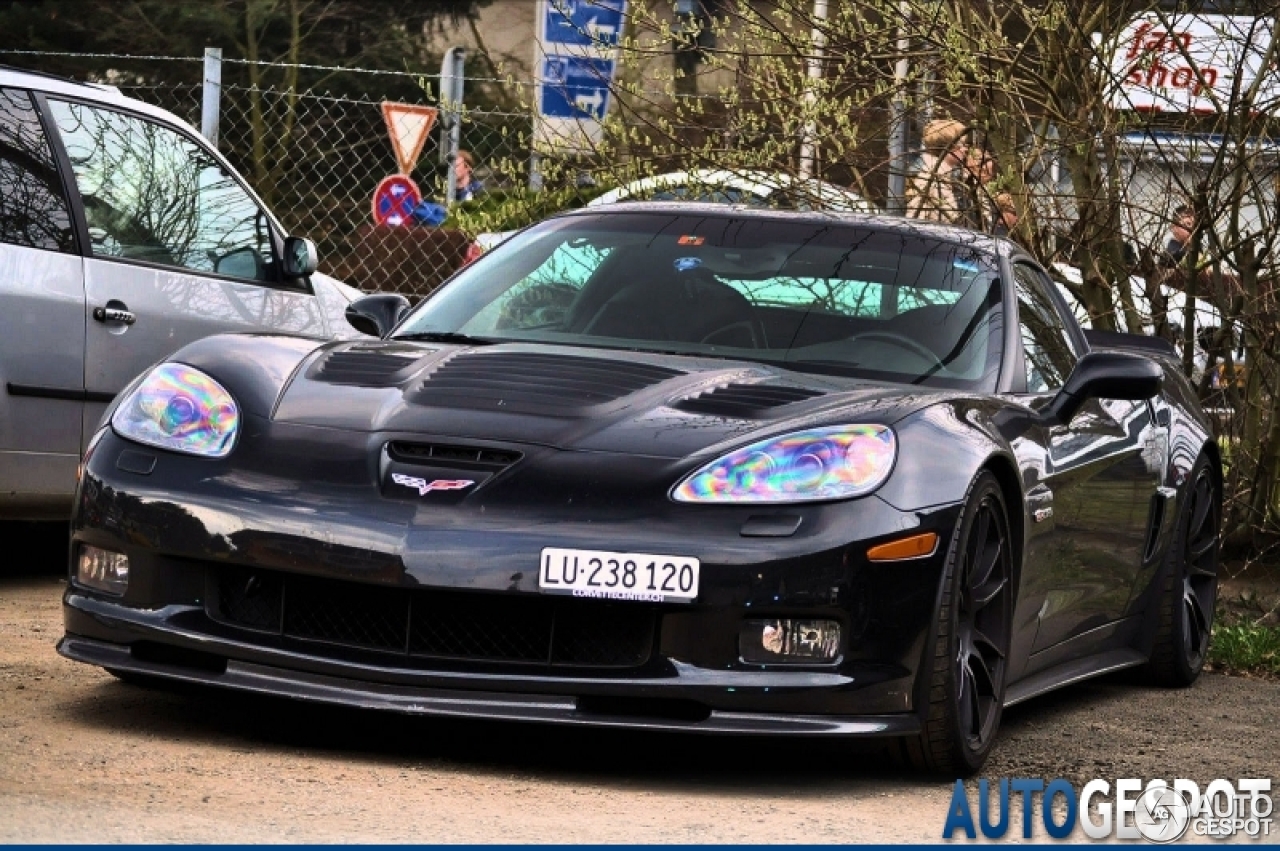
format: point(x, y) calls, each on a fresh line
point(394, 200)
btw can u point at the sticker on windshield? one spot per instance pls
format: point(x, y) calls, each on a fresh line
point(691, 240)
point(966, 266)
point(684, 264)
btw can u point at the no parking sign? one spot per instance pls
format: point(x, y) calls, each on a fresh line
point(394, 200)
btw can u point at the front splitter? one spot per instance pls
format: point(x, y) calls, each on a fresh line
point(411, 700)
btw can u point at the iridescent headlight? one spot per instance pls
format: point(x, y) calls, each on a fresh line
point(179, 408)
point(822, 463)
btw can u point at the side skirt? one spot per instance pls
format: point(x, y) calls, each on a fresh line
point(1071, 672)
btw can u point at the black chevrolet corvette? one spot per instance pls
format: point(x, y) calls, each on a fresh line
point(679, 467)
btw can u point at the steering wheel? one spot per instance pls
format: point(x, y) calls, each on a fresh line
point(901, 342)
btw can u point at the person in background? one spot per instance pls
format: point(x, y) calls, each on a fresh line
point(1184, 225)
point(935, 191)
point(464, 168)
point(1006, 214)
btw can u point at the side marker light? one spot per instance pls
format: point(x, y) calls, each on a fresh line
point(916, 546)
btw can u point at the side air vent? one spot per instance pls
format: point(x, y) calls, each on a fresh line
point(367, 367)
point(745, 401)
point(452, 456)
point(529, 383)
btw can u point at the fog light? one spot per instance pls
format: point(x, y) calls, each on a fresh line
point(786, 640)
point(103, 570)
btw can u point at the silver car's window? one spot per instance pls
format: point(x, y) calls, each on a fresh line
point(150, 193)
point(33, 209)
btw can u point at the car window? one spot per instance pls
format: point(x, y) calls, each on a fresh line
point(819, 296)
point(846, 297)
point(150, 193)
point(33, 209)
point(1048, 351)
point(545, 293)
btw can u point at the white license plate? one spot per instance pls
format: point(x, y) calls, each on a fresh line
point(644, 577)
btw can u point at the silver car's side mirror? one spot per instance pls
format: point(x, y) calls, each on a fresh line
point(300, 258)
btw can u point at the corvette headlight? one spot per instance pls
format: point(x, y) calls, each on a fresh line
point(822, 463)
point(179, 408)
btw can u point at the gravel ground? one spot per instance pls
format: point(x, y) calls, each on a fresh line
point(84, 757)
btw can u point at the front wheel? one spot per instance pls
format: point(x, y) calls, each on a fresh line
point(966, 670)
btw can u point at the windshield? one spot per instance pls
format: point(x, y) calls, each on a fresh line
point(812, 296)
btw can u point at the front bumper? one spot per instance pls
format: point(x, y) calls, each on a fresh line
point(470, 699)
point(189, 523)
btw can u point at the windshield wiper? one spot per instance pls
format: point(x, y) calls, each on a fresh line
point(445, 337)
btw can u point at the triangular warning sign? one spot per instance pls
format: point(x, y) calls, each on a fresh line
point(409, 126)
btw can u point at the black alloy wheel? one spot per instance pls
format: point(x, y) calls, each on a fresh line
point(1189, 585)
point(969, 660)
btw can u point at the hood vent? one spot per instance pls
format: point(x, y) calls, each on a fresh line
point(530, 383)
point(372, 366)
point(441, 455)
point(745, 401)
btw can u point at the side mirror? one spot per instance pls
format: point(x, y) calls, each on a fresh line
point(242, 263)
point(1105, 375)
point(300, 257)
point(376, 315)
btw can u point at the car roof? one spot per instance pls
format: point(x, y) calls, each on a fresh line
point(40, 81)
point(879, 221)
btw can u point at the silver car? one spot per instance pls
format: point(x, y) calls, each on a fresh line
point(123, 236)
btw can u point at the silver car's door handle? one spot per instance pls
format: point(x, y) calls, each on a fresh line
point(114, 314)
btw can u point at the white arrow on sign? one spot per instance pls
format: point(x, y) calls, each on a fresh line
point(409, 125)
point(603, 33)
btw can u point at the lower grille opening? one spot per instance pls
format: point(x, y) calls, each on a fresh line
point(522, 629)
point(178, 657)
point(668, 709)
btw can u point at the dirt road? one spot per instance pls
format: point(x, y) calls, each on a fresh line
point(84, 757)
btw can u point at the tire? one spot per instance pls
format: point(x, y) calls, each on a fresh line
point(967, 666)
point(1187, 588)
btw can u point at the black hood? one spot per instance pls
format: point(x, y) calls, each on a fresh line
point(571, 398)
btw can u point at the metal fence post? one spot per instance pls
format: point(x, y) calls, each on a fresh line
point(211, 102)
point(451, 81)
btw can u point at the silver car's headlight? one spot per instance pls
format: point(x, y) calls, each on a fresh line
point(822, 463)
point(179, 408)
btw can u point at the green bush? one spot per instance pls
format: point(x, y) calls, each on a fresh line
point(1247, 648)
point(516, 208)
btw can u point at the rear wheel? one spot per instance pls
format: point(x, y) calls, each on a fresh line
point(1188, 585)
point(969, 659)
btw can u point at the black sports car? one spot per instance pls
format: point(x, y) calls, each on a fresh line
point(685, 467)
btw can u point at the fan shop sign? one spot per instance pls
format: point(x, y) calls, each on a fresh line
point(1192, 63)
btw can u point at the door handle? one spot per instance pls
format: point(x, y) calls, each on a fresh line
point(114, 314)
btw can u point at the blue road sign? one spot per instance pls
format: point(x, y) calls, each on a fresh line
point(584, 22)
point(576, 87)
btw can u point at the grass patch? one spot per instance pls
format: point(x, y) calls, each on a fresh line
point(1246, 648)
